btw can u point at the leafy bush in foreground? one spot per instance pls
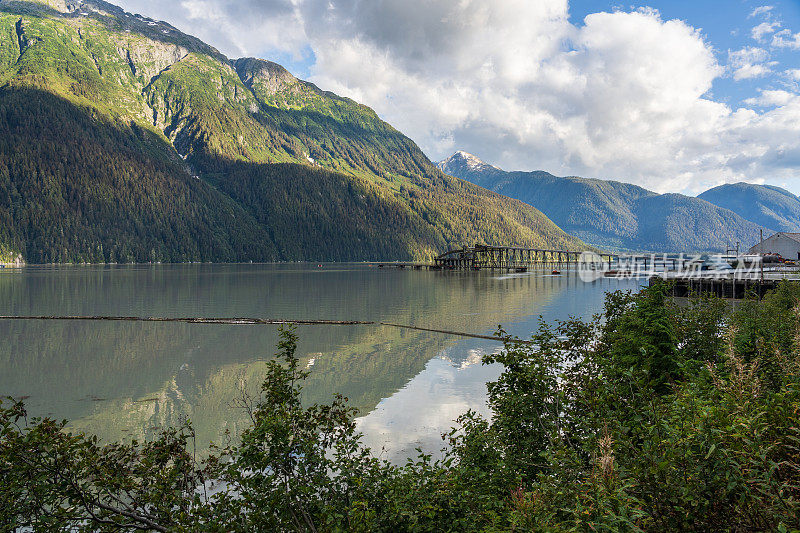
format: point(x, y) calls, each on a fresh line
point(652, 417)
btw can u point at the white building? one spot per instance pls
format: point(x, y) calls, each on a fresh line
point(786, 244)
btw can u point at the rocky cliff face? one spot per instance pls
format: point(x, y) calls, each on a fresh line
point(148, 59)
point(63, 6)
point(265, 76)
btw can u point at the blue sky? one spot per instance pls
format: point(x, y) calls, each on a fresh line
point(727, 26)
point(675, 96)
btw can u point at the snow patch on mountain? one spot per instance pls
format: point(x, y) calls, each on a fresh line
point(464, 161)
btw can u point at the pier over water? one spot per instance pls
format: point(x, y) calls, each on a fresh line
point(513, 258)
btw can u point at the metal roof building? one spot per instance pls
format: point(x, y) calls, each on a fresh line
point(786, 244)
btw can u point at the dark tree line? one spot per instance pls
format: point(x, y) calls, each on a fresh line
point(76, 188)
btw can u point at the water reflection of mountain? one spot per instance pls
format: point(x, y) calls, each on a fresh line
point(113, 377)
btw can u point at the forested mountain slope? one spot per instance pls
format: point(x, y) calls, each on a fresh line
point(614, 214)
point(123, 139)
point(772, 207)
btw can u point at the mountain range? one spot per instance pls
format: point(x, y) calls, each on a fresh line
point(772, 207)
point(621, 216)
point(123, 139)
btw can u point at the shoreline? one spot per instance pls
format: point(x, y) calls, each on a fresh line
point(24, 264)
point(14, 264)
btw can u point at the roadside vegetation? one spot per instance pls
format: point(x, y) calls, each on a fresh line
point(652, 416)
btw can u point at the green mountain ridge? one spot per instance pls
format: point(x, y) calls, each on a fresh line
point(613, 214)
point(772, 207)
point(123, 139)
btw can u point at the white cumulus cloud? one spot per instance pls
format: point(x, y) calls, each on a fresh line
point(761, 10)
point(765, 28)
point(771, 98)
point(749, 62)
point(236, 27)
point(786, 39)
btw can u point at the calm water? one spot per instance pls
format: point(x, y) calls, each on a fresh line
point(124, 380)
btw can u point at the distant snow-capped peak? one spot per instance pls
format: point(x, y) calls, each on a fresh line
point(470, 160)
point(464, 161)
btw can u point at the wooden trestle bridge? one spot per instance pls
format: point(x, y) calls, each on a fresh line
point(511, 258)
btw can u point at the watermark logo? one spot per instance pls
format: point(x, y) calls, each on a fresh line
point(591, 266)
